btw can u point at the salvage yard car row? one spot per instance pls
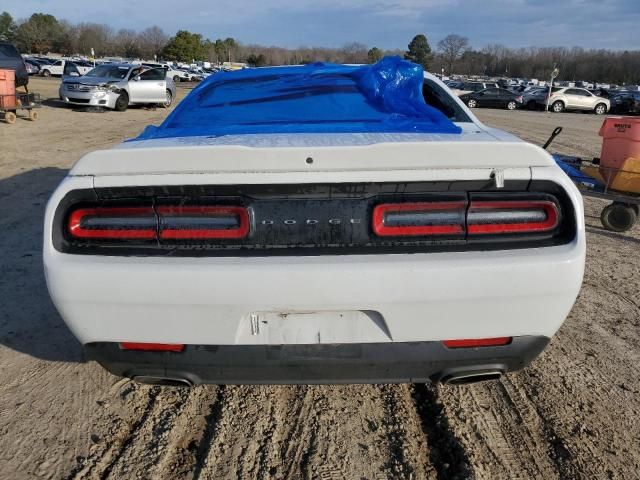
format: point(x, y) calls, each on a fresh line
point(557, 99)
point(54, 67)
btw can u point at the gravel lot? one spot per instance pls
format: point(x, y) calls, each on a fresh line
point(573, 414)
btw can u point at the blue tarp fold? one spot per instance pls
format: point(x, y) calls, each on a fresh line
point(315, 98)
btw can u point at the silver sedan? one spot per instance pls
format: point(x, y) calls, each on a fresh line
point(117, 86)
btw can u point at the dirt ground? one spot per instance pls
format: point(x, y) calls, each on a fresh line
point(574, 413)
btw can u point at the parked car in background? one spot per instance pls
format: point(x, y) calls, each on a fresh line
point(187, 76)
point(33, 67)
point(43, 60)
point(64, 67)
point(469, 87)
point(517, 88)
point(454, 84)
point(601, 92)
point(10, 58)
point(174, 74)
point(195, 76)
point(625, 102)
point(117, 86)
point(536, 98)
point(493, 98)
point(578, 99)
point(199, 73)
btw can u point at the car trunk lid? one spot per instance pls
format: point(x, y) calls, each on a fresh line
point(315, 155)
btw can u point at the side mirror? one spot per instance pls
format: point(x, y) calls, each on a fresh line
point(136, 78)
point(74, 74)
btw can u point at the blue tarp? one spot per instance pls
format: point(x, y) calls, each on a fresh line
point(315, 98)
point(577, 176)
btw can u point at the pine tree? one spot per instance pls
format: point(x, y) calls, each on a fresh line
point(419, 51)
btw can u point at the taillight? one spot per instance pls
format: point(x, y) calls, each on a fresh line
point(482, 217)
point(512, 216)
point(203, 222)
point(478, 342)
point(162, 223)
point(135, 223)
point(421, 218)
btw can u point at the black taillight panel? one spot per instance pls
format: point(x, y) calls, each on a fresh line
point(313, 219)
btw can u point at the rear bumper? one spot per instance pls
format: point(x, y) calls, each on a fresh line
point(338, 363)
point(327, 300)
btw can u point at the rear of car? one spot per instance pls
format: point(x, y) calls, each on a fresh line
point(32, 66)
point(314, 257)
point(11, 59)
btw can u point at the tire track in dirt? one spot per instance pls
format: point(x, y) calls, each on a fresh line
point(152, 439)
point(245, 444)
point(502, 434)
point(540, 432)
point(121, 435)
point(407, 443)
point(304, 432)
point(160, 440)
point(190, 436)
point(446, 453)
point(211, 426)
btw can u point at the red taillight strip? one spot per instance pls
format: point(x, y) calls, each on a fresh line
point(478, 342)
point(77, 230)
point(497, 227)
point(153, 347)
point(383, 230)
point(241, 231)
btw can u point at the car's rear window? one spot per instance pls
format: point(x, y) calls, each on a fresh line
point(437, 97)
point(317, 98)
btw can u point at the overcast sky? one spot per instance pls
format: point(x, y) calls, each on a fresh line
point(611, 24)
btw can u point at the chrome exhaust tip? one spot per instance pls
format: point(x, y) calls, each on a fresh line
point(163, 381)
point(464, 378)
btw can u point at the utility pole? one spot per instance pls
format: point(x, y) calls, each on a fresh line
point(554, 74)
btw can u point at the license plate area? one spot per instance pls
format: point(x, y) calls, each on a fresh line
point(312, 327)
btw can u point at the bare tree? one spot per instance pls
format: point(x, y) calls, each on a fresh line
point(96, 36)
point(127, 43)
point(152, 40)
point(452, 47)
point(354, 53)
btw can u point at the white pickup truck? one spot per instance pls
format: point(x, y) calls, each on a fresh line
point(279, 253)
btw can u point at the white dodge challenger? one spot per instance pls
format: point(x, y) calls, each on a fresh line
point(316, 224)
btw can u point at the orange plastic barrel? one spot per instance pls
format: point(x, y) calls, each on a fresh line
point(620, 141)
point(7, 89)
